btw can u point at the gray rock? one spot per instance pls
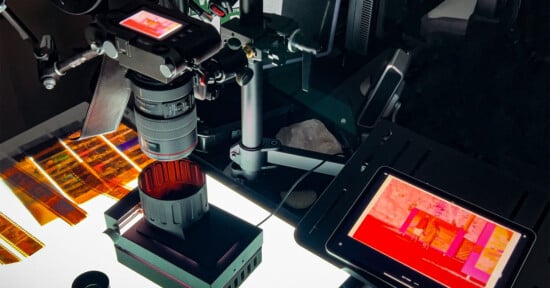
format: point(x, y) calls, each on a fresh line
point(310, 135)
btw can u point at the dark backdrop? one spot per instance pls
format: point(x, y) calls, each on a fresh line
point(23, 100)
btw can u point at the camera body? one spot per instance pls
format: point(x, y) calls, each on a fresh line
point(154, 41)
point(162, 50)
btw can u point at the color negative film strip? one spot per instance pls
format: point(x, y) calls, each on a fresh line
point(81, 170)
point(67, 172)
point(45, 175)
point(126, 140)
point(19, 239)
point(6, 257)
point(108, 162)
point(40, 192)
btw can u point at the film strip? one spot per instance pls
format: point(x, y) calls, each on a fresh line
point(15, 176)
point(47, 174)
point(6, 257)
point(107, 163)
point(51, 180)
point(126, 140)
point(67, 173)
point(42, 213)
point(17, 237)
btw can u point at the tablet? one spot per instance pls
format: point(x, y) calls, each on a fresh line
point(410, 234)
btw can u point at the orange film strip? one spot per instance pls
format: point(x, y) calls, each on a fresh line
point(18, 238)
point(6, 257)
point(42, 213)
point(107, 162)
point(66, 172)
point(126, 140)
point(81, 170)
point(16, 177)
point(39, 211)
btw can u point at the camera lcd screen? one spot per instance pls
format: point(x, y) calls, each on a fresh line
point(406, 232)
point(151, 24)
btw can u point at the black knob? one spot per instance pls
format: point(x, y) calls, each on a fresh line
point(91, 279)
point(243, 76)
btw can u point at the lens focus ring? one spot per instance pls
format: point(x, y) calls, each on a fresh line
point(170, 139)
point(166, 117)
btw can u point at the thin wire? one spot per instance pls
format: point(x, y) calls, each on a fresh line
point(296, 183)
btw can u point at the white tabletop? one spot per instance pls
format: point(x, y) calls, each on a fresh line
point(70, 251)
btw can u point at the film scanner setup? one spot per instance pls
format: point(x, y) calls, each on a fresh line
point(406, 143)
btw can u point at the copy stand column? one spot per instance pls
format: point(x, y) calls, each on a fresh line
point(251, 156)
point(254, 153)
point(248, 154)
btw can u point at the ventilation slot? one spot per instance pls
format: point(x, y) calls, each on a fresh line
point(243, 273)
point(366, 16)
point(359, 25)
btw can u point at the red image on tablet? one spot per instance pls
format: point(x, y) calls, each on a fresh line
point(439, 239)
point(150, 24)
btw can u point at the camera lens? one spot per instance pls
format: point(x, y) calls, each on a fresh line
point(173, 194)
point(166, 116)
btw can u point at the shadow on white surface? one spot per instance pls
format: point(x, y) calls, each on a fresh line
point(70, 251)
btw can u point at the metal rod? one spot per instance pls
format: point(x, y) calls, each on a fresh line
point(251, 12)
point(251, 158)
point(18, 25)
point(305, 161)
point(76, 61)
point(251, 108)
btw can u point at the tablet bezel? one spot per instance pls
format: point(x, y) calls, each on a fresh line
point(366, 259)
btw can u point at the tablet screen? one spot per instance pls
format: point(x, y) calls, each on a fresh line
point(432, 235)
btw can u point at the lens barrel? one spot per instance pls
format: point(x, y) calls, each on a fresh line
point(165, 117)
point(173, 195)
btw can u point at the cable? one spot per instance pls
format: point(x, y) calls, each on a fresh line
point(291, 190)
point(296, 183)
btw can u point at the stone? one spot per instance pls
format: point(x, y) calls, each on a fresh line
point(311, 135)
